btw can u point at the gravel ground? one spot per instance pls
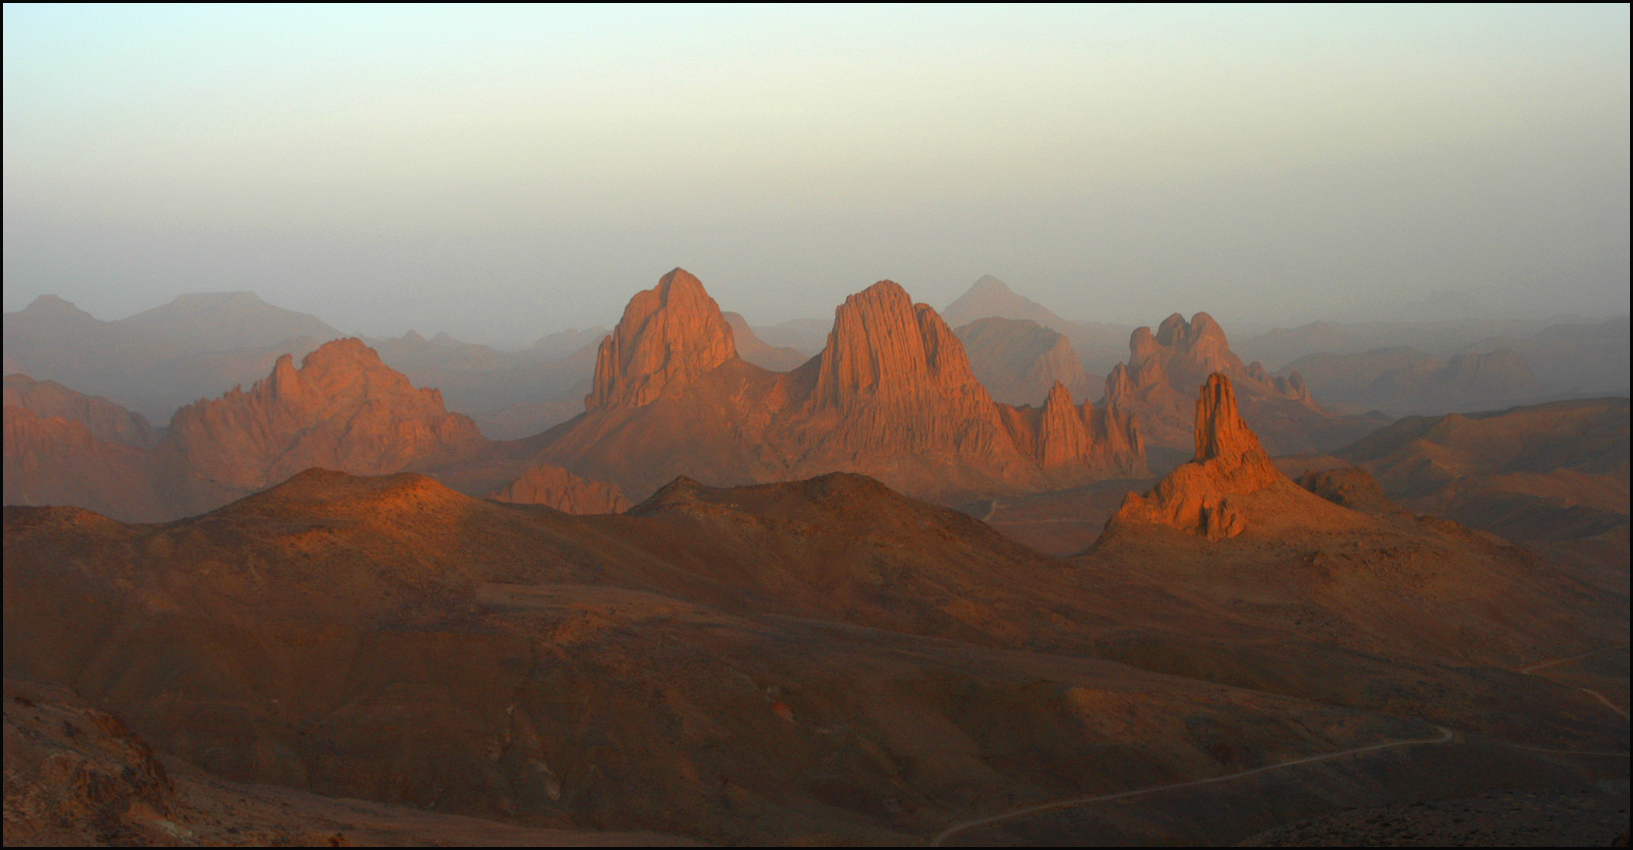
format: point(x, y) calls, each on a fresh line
point(1508, 819)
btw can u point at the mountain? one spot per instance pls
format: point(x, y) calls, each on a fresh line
point(342, 409)
point(509, 394)
point(1404, 380)
point(892, 395)
point(1552, 476)
point(990, 297)
point(1098, 345)
point(1204, 495)
point(156, 361)
point(1282, 346)
point(102, 418)
point(1157, 386)
point(807, 336)
point(557, 488)
point(753, 349)
point(222, 321)
point(390, 639)
point(1572, 358)
point(1019, 361)
point(562, 343)
point(1229, 528)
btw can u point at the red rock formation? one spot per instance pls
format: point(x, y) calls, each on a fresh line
point(343, 409)
point(896, 379)
point(892, 395)
point(1229, 462)
point(670, 336)
point(1162, 368)
point(557, 488)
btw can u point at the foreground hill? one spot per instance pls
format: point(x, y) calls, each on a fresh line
point(892, 395)
point(810, 661)
point(1552, 476)
point(1230, 528)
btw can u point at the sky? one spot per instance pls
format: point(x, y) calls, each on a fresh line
point(500, 173)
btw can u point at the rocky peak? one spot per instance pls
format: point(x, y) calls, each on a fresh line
point(342, 409)
point(1205, 495)
point(54, 305)
point(1220, 431)
point(989, 285)
point(670, 336)
point(883, 347)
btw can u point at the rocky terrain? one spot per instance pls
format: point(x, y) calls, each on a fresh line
point(76, 775)
point(1157, 386)
point(813, 661)
point(892, 395)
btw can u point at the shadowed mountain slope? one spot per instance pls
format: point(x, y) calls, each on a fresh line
point(1019, 361)
point(774, 662)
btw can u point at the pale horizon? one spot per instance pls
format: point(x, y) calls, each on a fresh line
point(499, 174)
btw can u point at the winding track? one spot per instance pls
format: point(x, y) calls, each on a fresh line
point(1445, 737)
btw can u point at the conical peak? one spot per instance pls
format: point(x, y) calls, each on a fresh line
point(670, 336)
point(988, 283)
point(1220, 431)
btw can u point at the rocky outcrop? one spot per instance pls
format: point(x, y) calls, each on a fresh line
point(1203, 496)
point(56, 460)
point(893, 395)
point(557, 488)
point(343, 409)
point(1156, 387)
point(102, 418)
point(1350, 486)
point(896, 379)
point(670, 336)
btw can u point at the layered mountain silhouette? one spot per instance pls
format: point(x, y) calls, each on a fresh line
point(156, 361)
point(342, 409)
point(1405, 380)
point(1019, 361)
point(892, 395)
point(1098, 345)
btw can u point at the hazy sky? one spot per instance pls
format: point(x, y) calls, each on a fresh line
point(503, 172)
